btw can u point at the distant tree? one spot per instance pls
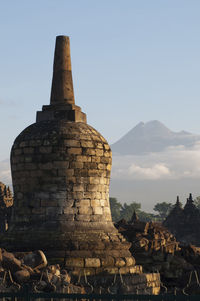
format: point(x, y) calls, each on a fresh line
point(115, 208)
point(163, 209)
point(146, 216)
point(127, 210)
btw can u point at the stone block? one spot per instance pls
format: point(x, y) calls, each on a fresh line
point(99, 145)
point(78, 195)
point(74, 262)
point(75, 150)
point(96, 218)
point(101, 166)
point(85, 210)
point(72, 143)
point(17, 151)
point(35, 173)
point(81, 172)
point(94, 173)
point(102, 203)
point(70, 210)
point(106, 160)
point(83, 217)
point(61, 172)
point(130, 261)
point(65, 217)
point(95, 203)
point(111, 270)
point(106, 210)
point(69, 172)
point(45, 149)
point(28, 150)
point(92, 262)
point(47, 203)
point(79, 187)
point(99, 152)
point(61, 164)
point(108, 167)
point(96, 159)
point(91, 187)
point(86, 271)
point(41, 210)
point(94, 180)
point(88, 144)
point(72, 180)
point(76, 165)
point(137, 269)
point(82, 158)
point(103, 181)
point(31, 166)
point(61, 195)
point(89, 151)
point(23, 144)
point(119, 262)
point(90, 165)
point(46, 166)
point(107, 261)
point(97, 210)
point(26, 159)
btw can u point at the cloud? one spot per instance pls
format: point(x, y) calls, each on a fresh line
point(154, 172)
point(5, 173)
point(175, 162)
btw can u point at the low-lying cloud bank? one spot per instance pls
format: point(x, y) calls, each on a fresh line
point(174, 163)
point(5, 173)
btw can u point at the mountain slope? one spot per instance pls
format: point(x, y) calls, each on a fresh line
point(152, 136)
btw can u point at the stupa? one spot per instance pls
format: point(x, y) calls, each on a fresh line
point(61, 173)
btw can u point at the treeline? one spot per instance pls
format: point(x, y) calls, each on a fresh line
point(125, 211)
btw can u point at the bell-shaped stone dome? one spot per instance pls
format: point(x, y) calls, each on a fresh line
point(61, 172)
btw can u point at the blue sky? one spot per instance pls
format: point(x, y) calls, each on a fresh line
point(132, 61)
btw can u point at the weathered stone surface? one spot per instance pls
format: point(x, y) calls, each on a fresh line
point(74, 262)
point(22, 276)
point(10, 262)
point(92, 262)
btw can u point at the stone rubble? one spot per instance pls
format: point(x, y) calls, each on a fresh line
point(156, 249)
point(30, 269)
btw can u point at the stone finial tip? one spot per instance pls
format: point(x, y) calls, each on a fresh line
point(62, 84)
point(62, 37)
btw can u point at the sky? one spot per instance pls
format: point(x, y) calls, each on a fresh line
point(132, 61)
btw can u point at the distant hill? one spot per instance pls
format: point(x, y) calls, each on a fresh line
point(152, 136)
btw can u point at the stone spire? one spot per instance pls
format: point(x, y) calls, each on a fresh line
point(62, 84)
point(134, 218)
point(62, 104)
point(190, 203)
point(178, 204)
point(190, 199)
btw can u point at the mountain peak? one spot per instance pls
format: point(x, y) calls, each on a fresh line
point(152, 136)
point(150, 128)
